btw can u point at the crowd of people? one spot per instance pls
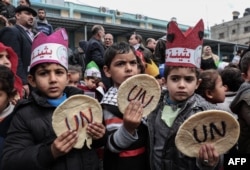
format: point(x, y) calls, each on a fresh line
point(37, 74)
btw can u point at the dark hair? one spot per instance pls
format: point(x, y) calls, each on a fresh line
point(245, 61)
point(28, 2)
point(116, 48)
point(7, 81)
point(96, 28)
point(168, 69)
point(42, 9)
point(139, 38)
point(208, 81)
point(232, 78)
point(160, 50)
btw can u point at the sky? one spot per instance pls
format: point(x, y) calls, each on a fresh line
point(187, 12)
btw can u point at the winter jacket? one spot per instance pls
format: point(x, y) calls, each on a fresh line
point(241, 106)
point(163, 152)
point(123, 151)
point(29, 139)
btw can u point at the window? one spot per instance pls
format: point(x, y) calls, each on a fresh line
point(221, 35)
point(233, 31)
point(246, 29)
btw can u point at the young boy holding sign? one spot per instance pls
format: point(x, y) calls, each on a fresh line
point(180, 102)
point(31, 142)
point(127, 134)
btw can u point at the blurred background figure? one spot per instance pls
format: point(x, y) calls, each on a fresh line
point(209, 60)
point(150, 44)
point(108, 40)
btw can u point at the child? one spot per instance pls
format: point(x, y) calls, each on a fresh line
point(75, 75)
point(7, 92)
point(92, 77)
point(232, 80)
point(31, 142)
point(211, 86)
point(179, 102)
point(9, 59)
point(240, 105)
point(127, 134)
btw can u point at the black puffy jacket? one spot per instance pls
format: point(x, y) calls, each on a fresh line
point(27, 145)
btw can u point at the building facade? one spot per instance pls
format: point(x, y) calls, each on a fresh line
point(237, 30)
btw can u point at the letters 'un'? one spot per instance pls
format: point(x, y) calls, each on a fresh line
point(209, 131)
point(140, 96)
point(80, 119)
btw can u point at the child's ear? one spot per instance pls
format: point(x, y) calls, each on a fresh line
point(198, 83)
point(31, 80)
point(106, 71)
point(244, 76)
point(209, 94)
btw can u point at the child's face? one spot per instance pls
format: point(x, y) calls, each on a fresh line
point(74, 78)
point(4, 59)
point(181, 84)
point(4, 100)
point(122, 67)
point(218, 94)
point(50, 79)
point(90, 83)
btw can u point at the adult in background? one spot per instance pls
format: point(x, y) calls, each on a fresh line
point(95, 52)
point(42, 24)
point(20, 38)
point(209, 60)
point(25, 3)
point(108, 40)
point(7, 13)
point(150, 44)
point(160, 50)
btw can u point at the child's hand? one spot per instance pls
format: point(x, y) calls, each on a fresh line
point(132, 116)
point(96, 130)
point(64, 143)
point(208, 155)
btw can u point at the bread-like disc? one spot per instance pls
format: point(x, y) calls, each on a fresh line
point(142, 87)
point(217, 127)
point(76, 113)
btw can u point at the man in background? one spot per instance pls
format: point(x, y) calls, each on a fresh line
point(108, 40)
point(20, 37)
point(42, 24)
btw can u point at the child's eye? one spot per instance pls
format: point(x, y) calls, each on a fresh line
point(175, 79)
point(120, 64)
point(59, 72)
point(133, 62)
point(189, 79)
point(42, 73)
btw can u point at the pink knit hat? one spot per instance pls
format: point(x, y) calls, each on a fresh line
point(50, 49)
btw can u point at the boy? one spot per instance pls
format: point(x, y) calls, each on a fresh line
point(179, 102)
point(31, 142)
point(92, 78)
point(126, 146)
point(240, 105)
point(75, 75)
